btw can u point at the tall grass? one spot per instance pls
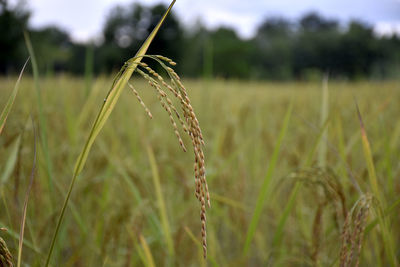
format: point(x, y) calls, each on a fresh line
point(25, 206)
point(311, 215)
point(265, 185)
point(42, 118)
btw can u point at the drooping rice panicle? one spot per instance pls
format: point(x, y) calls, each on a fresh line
point(162, 97)
point(189, 123)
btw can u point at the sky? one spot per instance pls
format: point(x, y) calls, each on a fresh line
point(84, 19)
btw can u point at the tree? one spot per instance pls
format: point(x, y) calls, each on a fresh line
point(312, 22)
point(274, 42)
point(12, 23)
point(197, 56)
point(358, 50)
point(126, 28)
point(316, 46)
point(53, 48)
point(232, 56)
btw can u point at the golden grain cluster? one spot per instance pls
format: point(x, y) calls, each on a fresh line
point(190, 125)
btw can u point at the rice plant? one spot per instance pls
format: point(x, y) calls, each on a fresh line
point(299, 177)
point(192, 128)
point(133, 203)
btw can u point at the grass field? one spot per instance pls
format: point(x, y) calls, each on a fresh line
point(280, 195)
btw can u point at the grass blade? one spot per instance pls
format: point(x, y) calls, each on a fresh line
point(278, 235)
point(28, 191)
point(6, 111)
point(322, 153)
point(11, 161)
point(147, 252)
point(387, 212)
point(368, 158)
point(42, 118)
point(161, 202)
point(109, 103)
point(387, 237)
point(320, 137)
point(265, 185)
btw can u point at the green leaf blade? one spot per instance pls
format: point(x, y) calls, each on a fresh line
point(6, 111)
point(265, 185)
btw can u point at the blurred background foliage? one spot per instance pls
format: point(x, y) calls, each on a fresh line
point(282, 49)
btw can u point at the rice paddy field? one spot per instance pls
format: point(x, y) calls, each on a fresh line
point(295, 178)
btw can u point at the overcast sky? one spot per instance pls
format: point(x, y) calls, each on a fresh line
point(85, 18)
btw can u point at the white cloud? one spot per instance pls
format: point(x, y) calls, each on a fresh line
point(385, 28)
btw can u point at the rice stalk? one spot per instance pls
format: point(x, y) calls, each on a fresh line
point(191, 127)
point(109, 103)
point(322, 153)
point(28, 191)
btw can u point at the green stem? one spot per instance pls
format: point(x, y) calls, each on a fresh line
point(53, 241)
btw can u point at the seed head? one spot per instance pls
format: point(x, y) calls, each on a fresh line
point(188, 122)
point(353, 232)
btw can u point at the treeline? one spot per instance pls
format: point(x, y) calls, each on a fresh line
point(280, 50)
